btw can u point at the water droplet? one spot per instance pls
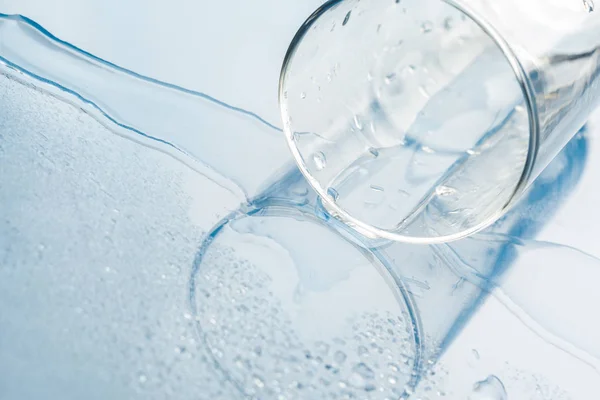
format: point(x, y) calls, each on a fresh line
point(491, 388)
point(377, 188)
point(427, 149)
point(361, 373)
point(472, 152)
point(589, 5)
point(448, 23)
point(409, 70)
point(372, 127)
point(329, 77)
point(336, 68)
point(362, 351)
point(374, 152)
point(142, 378)
point(339, 357)
point(424, 92)
point(259, 382)
point(347, 18)
point(331, 192)
point(322, 347)
point(358, 122)
point(475, 354)
point(303, 95)
point(443, 191)
point(320, 161)
point(285, 94)
point(389, 78)
point(426, 27)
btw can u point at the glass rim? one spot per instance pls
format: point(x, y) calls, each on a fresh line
point(377, 259)
point(370, 230)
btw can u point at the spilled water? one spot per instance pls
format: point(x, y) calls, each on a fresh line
point(284, 319)
point(286, 307)
point(554, 304)
point(171, 118)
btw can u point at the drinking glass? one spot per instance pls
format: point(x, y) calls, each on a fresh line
point(424, 121)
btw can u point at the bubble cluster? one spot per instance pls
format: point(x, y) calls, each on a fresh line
point(254, 338)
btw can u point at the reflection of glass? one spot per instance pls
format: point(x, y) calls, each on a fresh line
point(423, 121)
point(289, 308)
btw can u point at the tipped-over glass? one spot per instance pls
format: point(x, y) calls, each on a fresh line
point(423, 121)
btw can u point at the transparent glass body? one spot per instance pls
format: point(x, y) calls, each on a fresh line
point(424, 121)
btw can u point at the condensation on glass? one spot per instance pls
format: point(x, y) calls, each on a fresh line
point(425, 120)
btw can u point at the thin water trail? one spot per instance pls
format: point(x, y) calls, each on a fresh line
point(551, 288)
point(188, 122)
point(68, 47)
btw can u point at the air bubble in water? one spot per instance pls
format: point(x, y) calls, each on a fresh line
point(303, 95)
point(589, 5)
point(426, 27)
point(491, 388)
point(320, 161)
